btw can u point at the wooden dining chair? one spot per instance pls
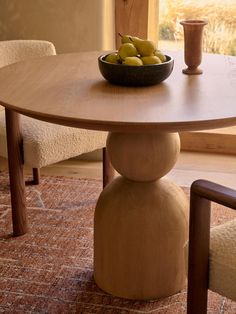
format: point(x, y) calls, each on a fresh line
point(212, 253)
point(41, 143)
point(45, 143)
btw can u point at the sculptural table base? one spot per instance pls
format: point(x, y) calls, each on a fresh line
point(141, 220)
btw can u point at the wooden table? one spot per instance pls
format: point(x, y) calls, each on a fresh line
point(140, 219)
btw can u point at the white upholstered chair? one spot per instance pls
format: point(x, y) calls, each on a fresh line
point(212, 253)
point(45, 143)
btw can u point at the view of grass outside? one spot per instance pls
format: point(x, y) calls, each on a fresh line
point(219, 34)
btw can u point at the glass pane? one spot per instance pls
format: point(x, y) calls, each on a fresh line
point(219, 34)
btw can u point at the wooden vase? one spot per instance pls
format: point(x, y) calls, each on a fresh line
point(193, 30)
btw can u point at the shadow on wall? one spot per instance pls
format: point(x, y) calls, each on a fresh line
point(72, 26)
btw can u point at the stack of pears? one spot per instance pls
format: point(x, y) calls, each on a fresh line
point(135, 51)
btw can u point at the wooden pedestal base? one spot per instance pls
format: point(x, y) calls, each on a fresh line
point(141, 227)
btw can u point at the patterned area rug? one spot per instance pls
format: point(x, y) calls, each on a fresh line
point(50, 269)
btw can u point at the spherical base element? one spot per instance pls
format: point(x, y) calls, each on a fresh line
point(139, 236)
point(143, 156)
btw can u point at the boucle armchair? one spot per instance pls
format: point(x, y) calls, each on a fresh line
point(45, 143)
point(212, 254)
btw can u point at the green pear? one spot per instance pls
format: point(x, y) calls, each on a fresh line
point(127, 38)
point(144, 47)
point(112, 58)
point(151, 60)
point(127, 50)
point(133, 38)
point(160, 55)
point(134, 61)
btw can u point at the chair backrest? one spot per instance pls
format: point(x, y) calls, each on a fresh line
point(18, 50)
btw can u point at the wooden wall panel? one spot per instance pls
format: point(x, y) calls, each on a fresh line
point(131, 17)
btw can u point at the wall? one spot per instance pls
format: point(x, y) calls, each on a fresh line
point(72, 25)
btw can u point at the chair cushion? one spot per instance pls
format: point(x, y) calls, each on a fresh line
point(223, 259)
point(45, 143)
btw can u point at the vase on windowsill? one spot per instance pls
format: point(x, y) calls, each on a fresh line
point(193, 31)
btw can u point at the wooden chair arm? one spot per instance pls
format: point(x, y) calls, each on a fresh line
point(201, 195)
point(215, 192)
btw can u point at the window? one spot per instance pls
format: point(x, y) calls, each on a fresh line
point(219, 34)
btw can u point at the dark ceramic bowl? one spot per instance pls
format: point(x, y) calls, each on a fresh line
point(143, 75)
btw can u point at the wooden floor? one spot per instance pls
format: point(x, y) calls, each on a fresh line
point(189, 167)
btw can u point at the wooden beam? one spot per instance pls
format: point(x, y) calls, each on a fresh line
point(131, 17)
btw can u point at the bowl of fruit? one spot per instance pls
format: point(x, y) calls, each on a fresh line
point(137, 63)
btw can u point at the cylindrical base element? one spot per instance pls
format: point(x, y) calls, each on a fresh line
point(139, 236)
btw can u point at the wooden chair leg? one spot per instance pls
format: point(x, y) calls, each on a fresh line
point(36, 176)
point(199, 233)
point(16, 175)
point(108, 170)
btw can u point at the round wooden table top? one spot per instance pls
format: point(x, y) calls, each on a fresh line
point(69, 89)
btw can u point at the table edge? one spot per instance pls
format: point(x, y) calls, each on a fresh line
point(116, 126)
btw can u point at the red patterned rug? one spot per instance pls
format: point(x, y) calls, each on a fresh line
point(50, 269)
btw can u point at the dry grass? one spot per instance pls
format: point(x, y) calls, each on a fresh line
point(220, 33)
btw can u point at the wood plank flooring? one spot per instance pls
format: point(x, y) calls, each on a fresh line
point(190, 166)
